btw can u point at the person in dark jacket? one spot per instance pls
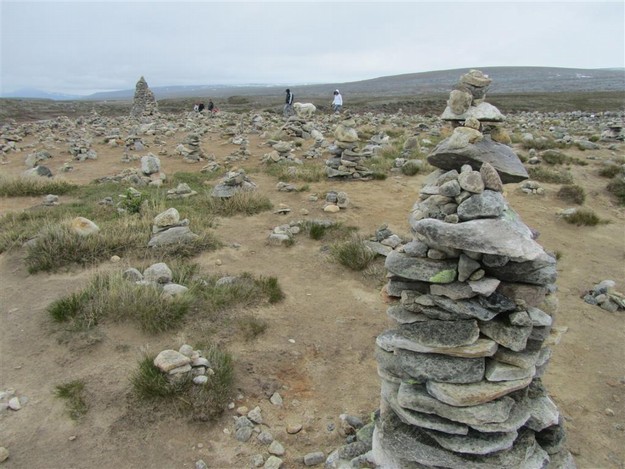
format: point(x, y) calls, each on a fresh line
point(288, 104)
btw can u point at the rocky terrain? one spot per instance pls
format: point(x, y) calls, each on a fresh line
point(309, 384)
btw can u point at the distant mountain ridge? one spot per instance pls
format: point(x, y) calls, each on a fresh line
point(505, 80)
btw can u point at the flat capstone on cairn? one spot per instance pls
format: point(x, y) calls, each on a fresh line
point(473, 299)
point(144, 103)
point(231, 183)
point(168, 228)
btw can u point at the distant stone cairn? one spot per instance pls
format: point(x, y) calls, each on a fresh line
point(144, 103)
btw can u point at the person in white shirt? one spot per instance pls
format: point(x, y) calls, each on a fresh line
point(337, 103)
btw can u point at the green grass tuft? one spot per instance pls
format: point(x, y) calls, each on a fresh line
point(353, 253)
point(617, 188)
point(410, 168)
point(34, 186)
point(610, 170)
point(251, 326)
point(242, 203)
point(74, 395)
point(541, 174)
point(572, 193)
point(584, 217)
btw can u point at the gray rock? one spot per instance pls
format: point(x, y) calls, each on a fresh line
point(488, 204)
point(497, 371)
point(471, 181)
point(441, 368)
point(517, 418)
point(483, 112)
point(540, 270)
point(353, 450)
point(428, 270)
point(466, 266)
point(485, 287)
point(150, 164)
point(474, 442)
point(176, 235)
point(453, 291)
point(417, 398)
point(474, 394)
point(512, 337)
point(544, 413)
point(276, 448)
point(436, 333)
point(397, 445)
point(255, 415)
point(132, 274)
point(522, 359)
point(159, 273)
point(464, 308)
point(273, 462)
point(500, 236)
point(314, 459)
point(168, 360)
point(416, 248)
point(173, 289)
point(499, 156)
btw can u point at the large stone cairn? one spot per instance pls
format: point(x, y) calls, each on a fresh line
point(346, 160)
point(144, 103)
point(472, 298)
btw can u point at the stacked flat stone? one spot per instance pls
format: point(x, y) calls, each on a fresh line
point(231, 183)
point(144, 103)
point(474, 309)
point(467, 99)
point(168, 229)
point(80, 149)
point(186, 363)
point(190, 148)
point(346, 159)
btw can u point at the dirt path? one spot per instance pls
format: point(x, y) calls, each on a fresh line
point(318, 349)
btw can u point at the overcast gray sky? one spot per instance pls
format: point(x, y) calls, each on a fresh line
point(81, 47)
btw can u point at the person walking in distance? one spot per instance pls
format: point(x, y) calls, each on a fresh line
point(288, 106)
point(337, 103)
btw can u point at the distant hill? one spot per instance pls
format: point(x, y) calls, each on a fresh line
point(33, 93)
point(505, 80)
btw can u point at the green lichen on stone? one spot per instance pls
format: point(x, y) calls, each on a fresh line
point(444, 276)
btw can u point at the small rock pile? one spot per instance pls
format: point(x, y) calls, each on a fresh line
point(186, 363)
point(10, 401)
point(346, 160)
point(182, 191)
point(80, 149)
point(473, 302)
point(150, 164)
point(384, 241)
point(192, 153)
point(233, 182)
point(168, 228)
point(159, 275)
point(335, 201)
point(33, 159)
point(144, 103)
point(604, 296)
point(282, 152)
point(467, 99)
point(131, 176)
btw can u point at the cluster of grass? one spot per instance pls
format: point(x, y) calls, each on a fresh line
point(617, 188)
point(251, 326)
point(410, 168)
point(352, 253)
point(241, 203)
point(554, 157)
point(610, 170)
point(74, 394)
point(203, 403)
point(110, 296)
point(307, 172)
point(584, 217)
point(34, 186)
point(541, 174)
point(540, 143)
point(321, 230)
point(572, 193)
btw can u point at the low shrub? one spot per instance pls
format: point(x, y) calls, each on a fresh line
point(251, 326)
point(241, 203)
point(321, 230)
point(554, 157)
point(572, 193)
point(610, 170)
point(74, 396)
point(353, 253)
point(584, 217)
point(410, 168)
point(541, 174)
point(110, 296)
point(34, 186)
point(307, 172)
point(617, 188)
